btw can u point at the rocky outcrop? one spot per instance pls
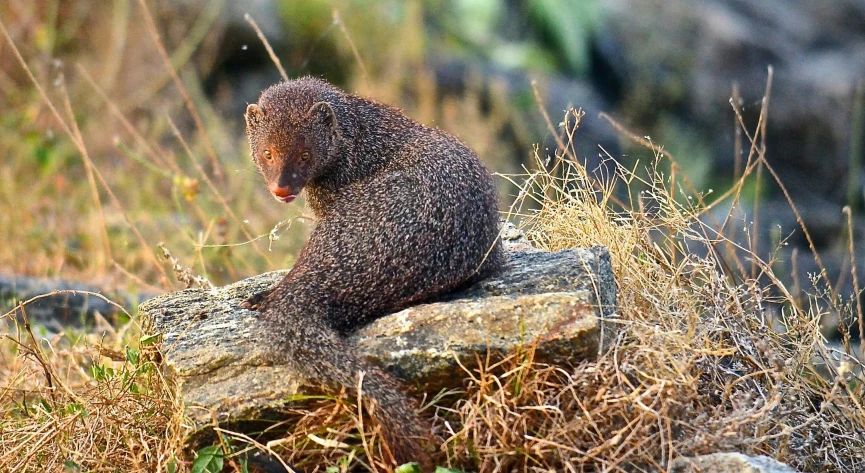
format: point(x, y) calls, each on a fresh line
point(561, 303)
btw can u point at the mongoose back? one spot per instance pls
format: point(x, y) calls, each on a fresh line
point(404, 213)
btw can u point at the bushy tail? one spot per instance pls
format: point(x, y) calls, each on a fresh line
point(320, 354)
point(333, 362)
point(405, 434)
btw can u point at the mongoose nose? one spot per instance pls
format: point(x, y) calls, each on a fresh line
point(281, 192)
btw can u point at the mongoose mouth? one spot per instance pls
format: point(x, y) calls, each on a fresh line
point(287, 199)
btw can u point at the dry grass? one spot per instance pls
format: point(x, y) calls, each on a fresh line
point(713, 352)
point(708, 359)
point(87, 405)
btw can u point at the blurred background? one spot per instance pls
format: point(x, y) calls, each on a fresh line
point(162, 129)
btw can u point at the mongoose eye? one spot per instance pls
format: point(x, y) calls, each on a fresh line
point(268, 155)
point(304, 156)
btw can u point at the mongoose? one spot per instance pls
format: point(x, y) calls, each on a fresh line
point(404, 213)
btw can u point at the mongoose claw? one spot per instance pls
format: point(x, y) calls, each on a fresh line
point(250, 306)
point(256, 301)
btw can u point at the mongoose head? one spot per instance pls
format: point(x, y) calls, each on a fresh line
point(293, 134)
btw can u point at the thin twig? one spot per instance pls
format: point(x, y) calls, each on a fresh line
point(366, 446)
point(736, 100)
point(266, 44)
point(337, 20)
point(856, 291)
point(211, 152)
point(88, 166)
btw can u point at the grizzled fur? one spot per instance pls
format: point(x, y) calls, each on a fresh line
point(405, 213)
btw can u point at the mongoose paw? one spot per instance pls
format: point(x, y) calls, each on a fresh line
point(249, 305)
point(256, 301)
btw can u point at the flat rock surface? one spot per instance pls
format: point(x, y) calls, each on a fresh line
point(554, 299)
point(729, 462)
point(214, 349)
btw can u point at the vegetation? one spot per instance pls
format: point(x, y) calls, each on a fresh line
point(715, 352)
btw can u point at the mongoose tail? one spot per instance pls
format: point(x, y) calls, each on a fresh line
point(332, 361)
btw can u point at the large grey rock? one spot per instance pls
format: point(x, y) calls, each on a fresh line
point(214, 349)
point(729, 463)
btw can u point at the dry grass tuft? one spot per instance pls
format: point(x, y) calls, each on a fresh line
point(707, 359)
point(92, 405)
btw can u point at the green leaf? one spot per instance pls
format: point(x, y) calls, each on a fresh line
point(45, 404)
point(76, 409)
point(441, 469)
point(133, 356)
point(208, 460)
point(408, 468)
point(149, 339)
point(145, 368)
point(102, 373)
point(569, 24)
point(171, 466)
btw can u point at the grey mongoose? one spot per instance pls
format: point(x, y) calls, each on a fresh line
point(405, 213)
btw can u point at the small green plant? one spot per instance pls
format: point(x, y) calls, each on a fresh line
point(209, 460)
point(408, 468)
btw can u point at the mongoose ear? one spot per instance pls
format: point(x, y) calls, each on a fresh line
point(323, 112)
point(254, 115)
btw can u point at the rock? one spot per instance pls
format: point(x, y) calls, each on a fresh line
point(728, 463)
point(62, 304)
point(212, 348)
point(514, 240)
point(545, 297)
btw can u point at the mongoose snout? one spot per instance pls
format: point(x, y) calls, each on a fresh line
point(282, 194)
